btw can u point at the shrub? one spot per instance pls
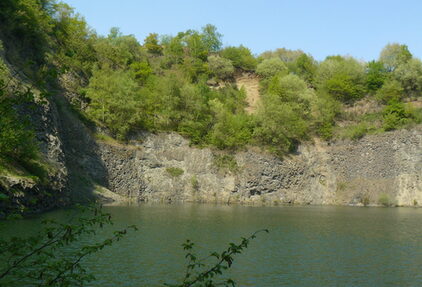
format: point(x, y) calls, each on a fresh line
point(324, 110)
point(195, 183)
point(174, 171)
point(305, 67)
point(385, 200)
point(390, 91)
point(355, 132)
point(291, 88)
point(271, 67)
point(342, 78)
point(241, 57)
point(220, 67)
point(230, 130)
point(226, 162)
point(409, 75)
point(395, 116)
point(393, 55)
point(376, 74)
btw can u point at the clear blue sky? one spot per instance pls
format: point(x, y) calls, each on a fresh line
point(360, 28)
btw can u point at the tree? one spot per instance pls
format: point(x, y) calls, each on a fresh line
point(376, 74)
point(220, 67)
point(241, 57)
point(41, 260)
point(115, 100)
point(324, 111)
point(230, 130)
point(291, 88)
point(270, 67)
point(280, 125)
point(286, 55)
point(409, 75)
point(342, 78)
point(305, 67)
point(393, 55)
point(211, 38)
point(152, 45)
point(390, 91)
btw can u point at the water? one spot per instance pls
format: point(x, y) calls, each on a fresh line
point(306, 246)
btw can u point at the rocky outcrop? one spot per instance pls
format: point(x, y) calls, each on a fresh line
point(378, 169)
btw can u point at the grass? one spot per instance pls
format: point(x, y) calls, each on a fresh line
point(174, 171)
point(225, 163)
point(104, 138)
point(34, 170)
point(195, 183)
point(385, 200)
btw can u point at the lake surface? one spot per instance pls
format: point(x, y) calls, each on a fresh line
point(306, 246)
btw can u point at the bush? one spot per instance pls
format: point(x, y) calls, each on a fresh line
point(385, 200)
point(226, 162)
point(305, 67)
point(342, 78)
point(280, 125)
point(230, 130)
point(271, 67)
point(291, 88)
point(390, 91)
point(409, 76)
point(115, 101)
point(195, 183)
point(324, 111)
point(395, 116)
point(355, 132)
point(241, 57)
point(174, 171)
point(376, 74)
point(220, 67)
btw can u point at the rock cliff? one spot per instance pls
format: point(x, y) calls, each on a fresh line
point(378, 169)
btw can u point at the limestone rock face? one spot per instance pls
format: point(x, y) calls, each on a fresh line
point(340, 173)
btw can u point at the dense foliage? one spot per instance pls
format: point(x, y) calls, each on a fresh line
point(185, 82)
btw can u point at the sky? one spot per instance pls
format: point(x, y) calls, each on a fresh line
point(359, 28)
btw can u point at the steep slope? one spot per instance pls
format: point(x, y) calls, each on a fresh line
point(250, 82)
point(379, 169)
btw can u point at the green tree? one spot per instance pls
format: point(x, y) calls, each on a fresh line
point(141, 70)
point(152, 45)
point(342, 78)
point(395, 115)
point(286, 55)
point(230, 130)
point(280, 125)
point(115, 100)
point(376, 74)
point(305, 67)
point(211, 38)
point(324, 112)
point(390, 91)
point(241, 57)
point(291, 88)
point(393, 55)
point(409, 75)
point(220, 67)
point(270, 67)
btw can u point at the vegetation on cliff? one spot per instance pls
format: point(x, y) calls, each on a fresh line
point(185, 83)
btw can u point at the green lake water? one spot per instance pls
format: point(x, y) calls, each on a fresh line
point(306, 246)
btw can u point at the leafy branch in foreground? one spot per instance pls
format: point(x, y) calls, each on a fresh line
point(199, 274)
point(53, 257)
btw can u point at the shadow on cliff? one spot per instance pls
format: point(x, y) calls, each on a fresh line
point(85, 167)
